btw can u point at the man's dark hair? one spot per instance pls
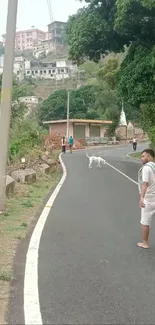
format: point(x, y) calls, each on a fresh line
point(150, 152)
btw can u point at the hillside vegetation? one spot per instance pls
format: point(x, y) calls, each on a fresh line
point(120, 26)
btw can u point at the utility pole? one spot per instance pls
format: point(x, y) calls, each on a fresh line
point(68, 107)
point(6, 96)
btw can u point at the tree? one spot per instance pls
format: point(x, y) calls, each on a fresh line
point(90, 68)
point(108, 72)
point(136, 77)
point(91, 31)
point(54, 107)
point(135, 20)
point(107, 25)
point(128, 23)
point(18, 109)
point(82, 104)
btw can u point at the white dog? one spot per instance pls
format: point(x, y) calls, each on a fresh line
point(98, 160)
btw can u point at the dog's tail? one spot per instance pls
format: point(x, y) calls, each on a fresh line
point(87, 155)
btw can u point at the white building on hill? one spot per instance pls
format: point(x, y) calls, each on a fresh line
point(58, 69)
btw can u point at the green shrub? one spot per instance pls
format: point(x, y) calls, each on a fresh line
point(25, 137)
point(151, 135)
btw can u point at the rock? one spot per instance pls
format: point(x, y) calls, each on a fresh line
point(24, 176)
point(44, 158)
point(52, 164)
point(42, 169)
point(10, 185)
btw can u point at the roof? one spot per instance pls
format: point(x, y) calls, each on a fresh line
point(78, 121)
point(28, 31)
point(57, 21)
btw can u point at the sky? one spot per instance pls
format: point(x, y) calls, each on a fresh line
point(35, 13)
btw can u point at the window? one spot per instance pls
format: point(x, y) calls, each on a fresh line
point(41, 72)
point(36, 72)
point(62, 70)
point(28, 72)
point(49, 71)
point(44, 71)
point(53, 71)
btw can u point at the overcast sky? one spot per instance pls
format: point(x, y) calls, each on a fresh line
point(35, 13)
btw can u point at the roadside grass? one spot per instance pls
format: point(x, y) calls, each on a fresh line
point(15, 223)
point(135, 155)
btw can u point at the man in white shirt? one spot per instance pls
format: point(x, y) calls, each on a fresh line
point(134, 144)
point(146, 180)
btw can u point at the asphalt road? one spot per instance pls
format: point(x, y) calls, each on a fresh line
point(90, 270)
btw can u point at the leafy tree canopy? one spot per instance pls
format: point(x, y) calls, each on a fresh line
point(136, 77)
point(82, 103)
point(107, 25)
point(95, 101)
point(18, 109)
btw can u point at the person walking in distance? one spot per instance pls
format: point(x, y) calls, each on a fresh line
point(70, 142)
point(146, 183)
point(134, 144)
point(63, 144)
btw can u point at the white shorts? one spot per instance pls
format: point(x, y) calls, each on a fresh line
point(147, 213)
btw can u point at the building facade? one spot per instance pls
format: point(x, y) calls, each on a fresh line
point(58, 70)
point(43, 47)
point(57, 32)
point(25, 39)
point(78, 128)
point(18, 67)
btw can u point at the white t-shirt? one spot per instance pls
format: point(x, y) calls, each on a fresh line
point(63, 142)
point(148, 176)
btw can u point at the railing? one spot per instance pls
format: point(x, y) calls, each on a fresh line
point(96, 140)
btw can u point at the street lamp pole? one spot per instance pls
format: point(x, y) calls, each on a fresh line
point(68, 107)
point(6, 96)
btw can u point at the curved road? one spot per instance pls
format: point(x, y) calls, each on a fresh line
point(90, 270)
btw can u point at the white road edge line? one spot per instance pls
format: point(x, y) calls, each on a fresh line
point(119, 171)
point(32, 313)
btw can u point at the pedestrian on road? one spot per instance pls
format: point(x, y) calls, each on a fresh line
point(146, 182)
point(70, 142)
point(63, 144)
point(134, 144)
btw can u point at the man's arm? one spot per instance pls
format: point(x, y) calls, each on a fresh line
point(145, 184)
point(144, 188)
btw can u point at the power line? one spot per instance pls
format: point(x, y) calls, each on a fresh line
point(49, 4)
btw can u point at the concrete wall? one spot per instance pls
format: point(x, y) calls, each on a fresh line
point(61, 128)
point(121, 131)
point(58, 128)
point(139, 133)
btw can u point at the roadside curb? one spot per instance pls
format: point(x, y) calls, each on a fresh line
point(97, 147)
point(133, 158)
